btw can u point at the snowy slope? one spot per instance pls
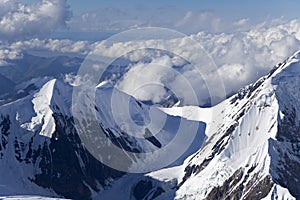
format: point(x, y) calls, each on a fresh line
point(41, 153)
point(247, 147)
point(249, 153)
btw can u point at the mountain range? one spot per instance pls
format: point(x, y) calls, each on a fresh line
point(246, 147)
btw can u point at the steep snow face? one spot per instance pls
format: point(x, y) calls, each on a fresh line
point(20, 148)
point(238, 143)
point(285, 164)
point(45, 102)
point(41, 105)
point(252, 145)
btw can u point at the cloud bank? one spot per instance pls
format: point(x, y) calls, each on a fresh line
point(20, 21)
point(241, 56)
point(113, 20)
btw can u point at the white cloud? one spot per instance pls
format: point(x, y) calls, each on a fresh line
point(105, 20)
point(19, 21)
point(143, 82)
point(54, 45)
point(116, 20)
point(194, 22)
point(241, 22)
point(151, 81)
point(241, 57)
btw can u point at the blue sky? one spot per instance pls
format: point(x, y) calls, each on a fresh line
point(255, 9)
point(189, 16)
point(245, 38)
point(232, 8)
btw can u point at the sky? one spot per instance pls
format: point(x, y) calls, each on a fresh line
point(231, 8)
point(244, 38)
point(106, 17)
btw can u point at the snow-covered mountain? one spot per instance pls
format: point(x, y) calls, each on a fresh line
point(253, 149)
point(249, 150)
point(41, 152)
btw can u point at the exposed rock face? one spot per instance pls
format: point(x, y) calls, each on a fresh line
point(67, 167)
point(235, 188)
point(60, 162)
point(286, 147)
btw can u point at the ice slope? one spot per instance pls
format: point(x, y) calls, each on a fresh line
point(240, 144)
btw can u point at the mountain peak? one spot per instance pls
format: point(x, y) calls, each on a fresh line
point(253, 141)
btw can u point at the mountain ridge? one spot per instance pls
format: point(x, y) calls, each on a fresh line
point(259, 98)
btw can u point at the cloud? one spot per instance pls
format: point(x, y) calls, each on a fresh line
point(53, 45)
point(108, 19)
point(8, 54)
point(241, 57)
point(193, 22)
point(113, 20)
point(15, 50)
point(20, 21)
point(144, 81)
point(158, 79)
point(241, 22)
